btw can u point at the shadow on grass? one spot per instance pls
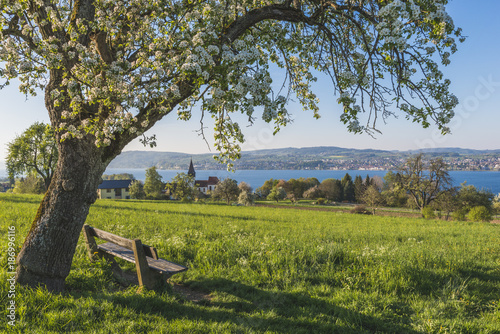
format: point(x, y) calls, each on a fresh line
point(482, 282)
point(479, 281)
point(260, 310)
point(21, 198)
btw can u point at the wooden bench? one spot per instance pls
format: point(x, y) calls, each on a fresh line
point(151, 270)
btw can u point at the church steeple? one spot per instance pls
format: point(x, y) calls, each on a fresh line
point(191, 171)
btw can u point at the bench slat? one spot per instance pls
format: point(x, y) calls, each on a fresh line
point(124, 242)
point(160, 265)
point(118, 251)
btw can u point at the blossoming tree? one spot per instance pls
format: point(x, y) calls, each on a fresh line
point(110, 69)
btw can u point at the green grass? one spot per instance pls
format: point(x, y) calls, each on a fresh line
point(271, 270)
point(306, 203)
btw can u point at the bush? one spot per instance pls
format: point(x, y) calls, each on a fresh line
point(313, 193)
point(361, 209)
point(32, 184)
point(276, 194)
point(480, 214)
point(246, 198)
point(459, 214)
point(321, 201)
point(469, 197)
point(136, 190)
point(428, 213)
point(496, 206)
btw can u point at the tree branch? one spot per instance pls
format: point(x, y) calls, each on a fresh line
point(99, 38)
point(272, 12)
point(83, 10)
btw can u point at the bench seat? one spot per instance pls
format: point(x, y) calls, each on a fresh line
point(160, 265)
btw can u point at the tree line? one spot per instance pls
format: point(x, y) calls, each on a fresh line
point(183, 187)
point(419, 183)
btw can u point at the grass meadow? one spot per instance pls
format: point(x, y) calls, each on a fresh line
point(270, 270)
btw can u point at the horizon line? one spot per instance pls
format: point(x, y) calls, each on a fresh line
point(323, 146)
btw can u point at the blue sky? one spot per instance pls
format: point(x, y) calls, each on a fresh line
point(474, 71)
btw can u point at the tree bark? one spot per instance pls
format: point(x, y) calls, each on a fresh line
point(47, 253)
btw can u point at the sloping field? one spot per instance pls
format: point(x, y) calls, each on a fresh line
point(265, 270)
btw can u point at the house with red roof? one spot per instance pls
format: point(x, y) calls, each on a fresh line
point(204, 186)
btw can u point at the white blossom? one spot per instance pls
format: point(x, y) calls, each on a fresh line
point(175, 44)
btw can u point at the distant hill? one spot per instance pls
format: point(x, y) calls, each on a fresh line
point(145, 159)
point(321, 157)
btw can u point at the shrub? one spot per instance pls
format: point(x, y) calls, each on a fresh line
point(496, 204)
point(480, 214)
point(313, 192)
point(32, 184)
point(428, 213)
point(136, 190)
point(361, 209)
point(321, 201)
point(246, 198)
point(200, 196)
point(459, 214)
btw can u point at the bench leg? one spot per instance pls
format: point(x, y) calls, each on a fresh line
point(144, 274)
point(92, 250)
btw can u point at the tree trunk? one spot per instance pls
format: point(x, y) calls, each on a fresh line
point(47, 253)
point(46, 182)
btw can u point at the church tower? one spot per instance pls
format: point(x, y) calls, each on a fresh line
point(191, 171)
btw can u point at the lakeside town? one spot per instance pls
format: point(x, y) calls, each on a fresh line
point(462, 163)
point(311, 158)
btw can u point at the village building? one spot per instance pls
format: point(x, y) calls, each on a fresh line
point(203, 186)
point(114, 189)
point(206, 186)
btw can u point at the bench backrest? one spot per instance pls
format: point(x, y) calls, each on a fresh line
point(120, 241)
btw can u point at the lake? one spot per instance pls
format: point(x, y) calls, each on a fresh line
point(255, 178)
